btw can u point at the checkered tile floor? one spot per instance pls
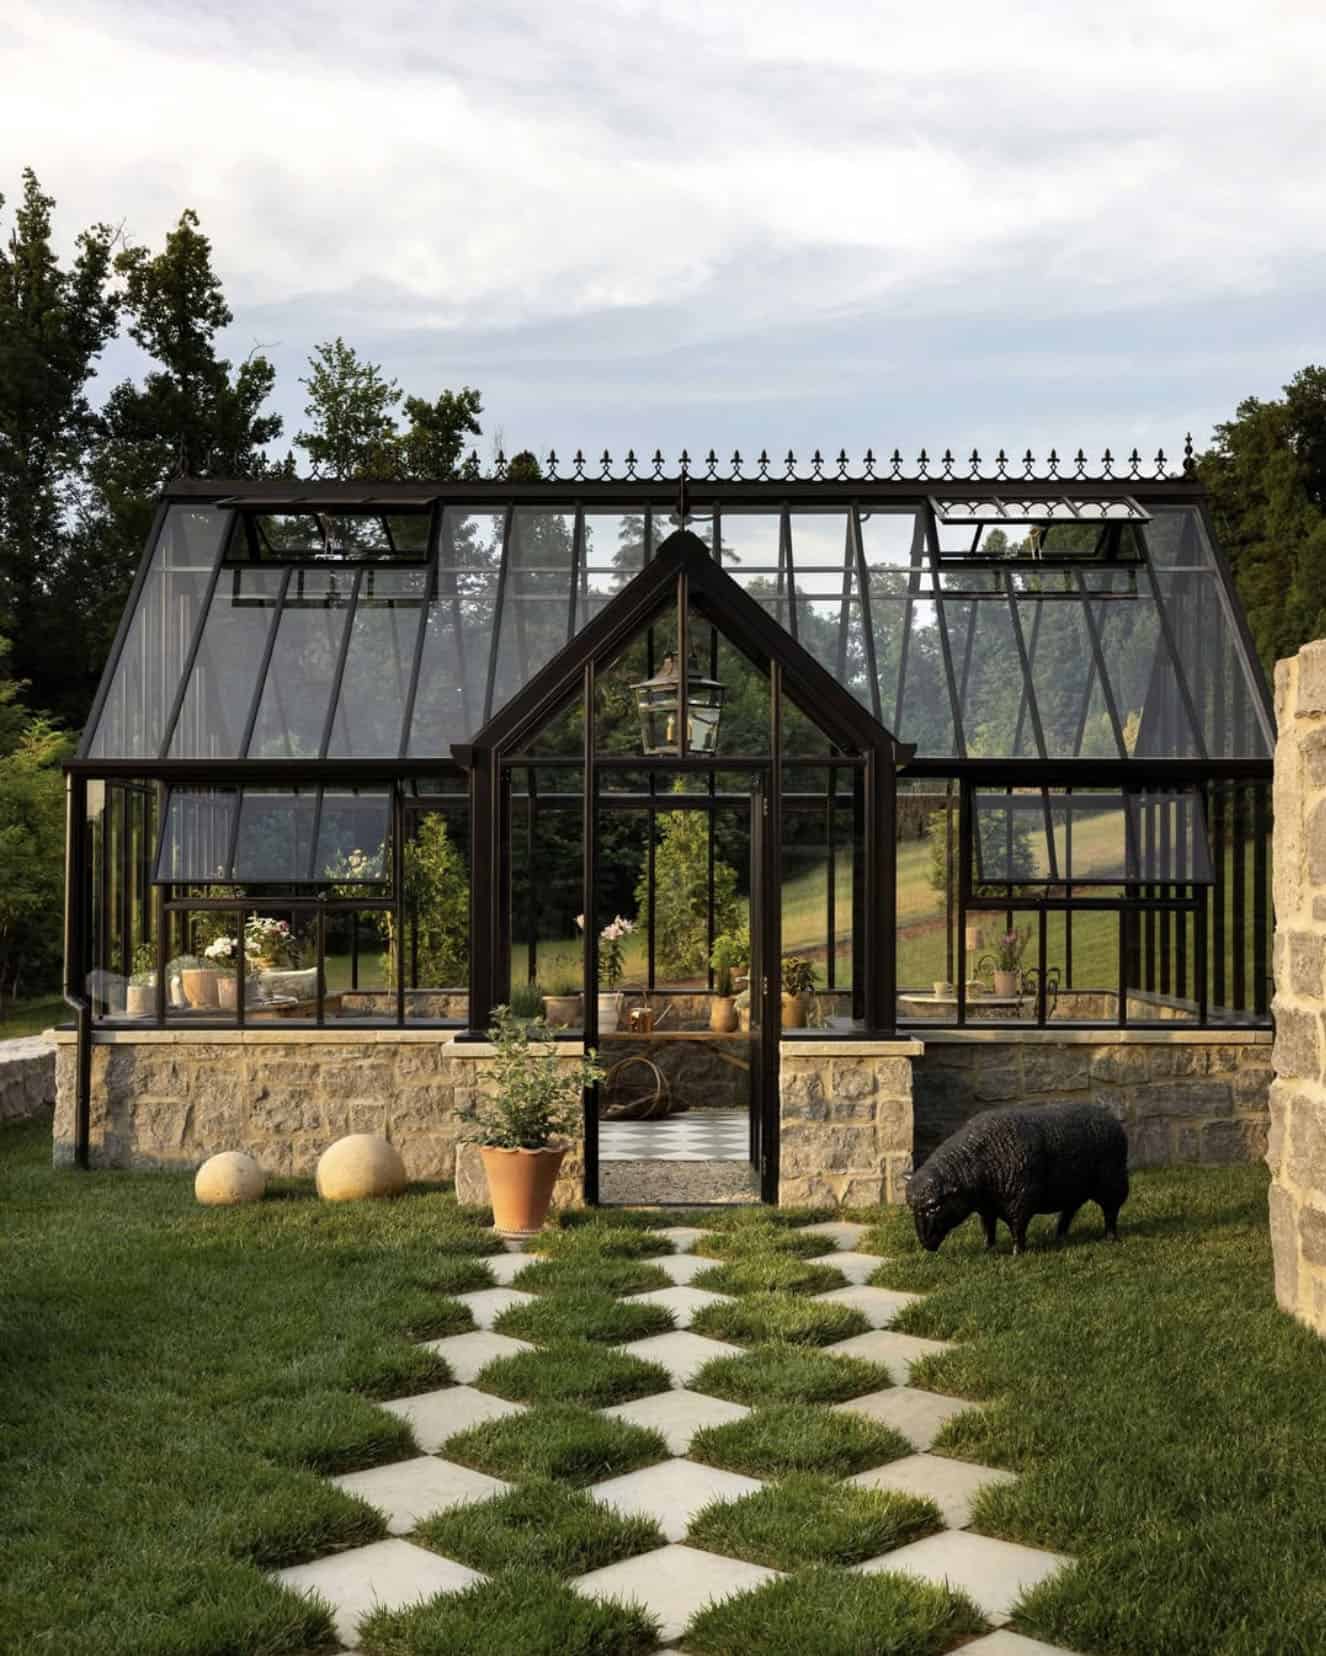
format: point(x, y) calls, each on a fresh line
point(696, 1135)
point(677, 1580)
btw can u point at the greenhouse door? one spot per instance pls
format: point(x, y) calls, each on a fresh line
point(684, 1113)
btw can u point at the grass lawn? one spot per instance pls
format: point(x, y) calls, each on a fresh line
point(31, 1015)
point(174, 1380)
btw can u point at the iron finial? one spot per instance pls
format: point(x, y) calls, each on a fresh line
point(1052, 467)
point(896, 464)
point(1107, 464)
point(790, 466)
point(1134, 463)
point(870, 466)
point(1189, 463)
point(974, 466)
point(711, 467)
point(923, 465)
point(579, 463)
point(736, 466)
point(764, 464)
point(842, 465)
point(630, 465)
point(947, 463)
point(657, 463)
point(605, 467)
point(1081, 463)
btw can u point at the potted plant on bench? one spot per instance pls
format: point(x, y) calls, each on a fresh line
point(536, 1101)
point(798, 982)
point(728, 953)
point(141, 995)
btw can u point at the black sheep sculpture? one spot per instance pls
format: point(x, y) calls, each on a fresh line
point(1012, 1163)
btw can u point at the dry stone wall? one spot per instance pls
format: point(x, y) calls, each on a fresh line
point(1183, 1101)
point(845, 1122)
point(1297, 1149)
point(27, 1078)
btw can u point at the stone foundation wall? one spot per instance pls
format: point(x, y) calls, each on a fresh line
point(1297, 1149)
point(845, 1112)
point(1184, 1099)
point(164, 1101)
point(27, 1078)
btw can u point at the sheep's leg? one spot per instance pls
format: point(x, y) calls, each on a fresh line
point(1065, 1220)
point(1110, 1204)
point(989, 1219)
point(1017, 1223)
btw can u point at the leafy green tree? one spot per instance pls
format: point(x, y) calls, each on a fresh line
point(54, 321)
point(437, 900)
point(352, 430)
point(433, 443)
point(681, 896)
point(1266, 471)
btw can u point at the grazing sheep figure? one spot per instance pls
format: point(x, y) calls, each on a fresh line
point(1012, 1163)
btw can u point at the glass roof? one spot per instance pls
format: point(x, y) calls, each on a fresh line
point(1064, 627)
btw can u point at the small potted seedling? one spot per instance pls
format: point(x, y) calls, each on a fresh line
point(798, 980)
point(1006, 962)
point(527, 1002)
point(141, 995)
point(561, 1004)
point(727, 954)
point(523, 1125)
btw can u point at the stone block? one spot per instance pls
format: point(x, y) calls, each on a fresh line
point(1148, 1143)
point(1116, 1101)
point(1118, 1066)
point(1312, 1233)
point(1305, 1159)
point(1187, 1098)
point(1160, 1061)
point(852, 1078)
point(805, 1190)
point(997, 1086)
point(1314, 834)
point(1305, 687)
point(1222, 1060)
point(1055, 1069)
point(1281, 1104)
point(1306, 953)
point(1187, 1145)
point(1284, 1247)
point(1227, 1143)
point(861, 1190)
point(1297, 1049)
point(809, 1147)
point(801, 1090)
point(1252, 1086)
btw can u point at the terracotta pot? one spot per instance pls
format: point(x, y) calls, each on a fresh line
point(562, 1011)
point(520, 1186)
point(794, 1011)
point(722, 1015)
point(199, 985)
point(1008, 983)
point(140, 1000)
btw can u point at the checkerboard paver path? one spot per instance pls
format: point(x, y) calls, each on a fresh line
point(677, 1580)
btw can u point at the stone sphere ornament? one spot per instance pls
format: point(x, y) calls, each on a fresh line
point(361, 1165)
point(229, 1178)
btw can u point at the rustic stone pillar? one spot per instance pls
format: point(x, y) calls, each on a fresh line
point(845, 1112)
point(1296, 1152)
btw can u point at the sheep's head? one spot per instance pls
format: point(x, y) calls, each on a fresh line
point(935, 1209)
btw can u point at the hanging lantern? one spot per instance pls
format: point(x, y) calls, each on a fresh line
point(659, 702)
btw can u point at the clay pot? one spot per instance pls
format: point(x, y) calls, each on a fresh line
point(199, 985)
point(562, 1011)
point(520, 1186)
point(794, 1011)
point(722, 1015)
point(1008, 983)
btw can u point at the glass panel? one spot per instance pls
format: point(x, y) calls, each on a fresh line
point(281, 953)
point(453, 672)
point(536, 616)
point(925, 713)
point(436, 945)
point(197, 835)
point(547, 893)
point(274, 844)
point(820, 542)
point(1062, 667)
point(1146, 693)
point(378, 664)
point(293, 712)
point(927, 895)
point(202, 977)
point(1215, 670)
point(1096, 838)
point(1082, 966)
point(752, 543)
point(358, 966)
point(1159, 960)
point(354, 839)
point(618, 692)
point(336, 536)
point(992, 692)
point(819, 894)
point(890, 542)
point(147, 675)
point(224, 680)
point(122, 955)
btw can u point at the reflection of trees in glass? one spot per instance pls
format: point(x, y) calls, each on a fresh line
point(437, 905)
point(681, 895)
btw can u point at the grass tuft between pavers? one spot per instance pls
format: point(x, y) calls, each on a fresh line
point(518, 1613)
point(540, 1525)
point(784, 1438)
point(757, 1318)
point(769, 1273)
point(609, 1276)
point(781, 1373)
point(556, 1440)
point(754, 1238)
point(602, 1241)
point(573, 1371)
point(584, 1314)
point(812, 1519)
point(833, 1612)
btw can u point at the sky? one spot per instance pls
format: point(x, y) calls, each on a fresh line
point(842, 225)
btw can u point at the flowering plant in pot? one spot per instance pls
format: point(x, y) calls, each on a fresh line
point(1006, 961)
point(612, 966)
point(536, 1101)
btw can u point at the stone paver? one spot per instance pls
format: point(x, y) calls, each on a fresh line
point(487, 1304)
point(950, 1484)
point(672, 1492)
point(856, 1267)
point(437, 1415)
point(682, 1237)
point(683, 1267)
point(838, 1233)
point(879, 1306)
point(919, 1415)
point(387, 1573)
point(994, 1573)
point(506, 1267)
point(674, 1583)
point(683, 1302)
point(897, 1352)
point(1005, 1642)
point(678, 1415)
point(467, 1354)
point(406, 1491)
point(683, 1354)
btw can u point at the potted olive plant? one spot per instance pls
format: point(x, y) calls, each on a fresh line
point(798, 982)
point(727, 954)
point(141, 995)
point(535, 1103)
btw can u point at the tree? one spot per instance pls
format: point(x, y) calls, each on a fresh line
point(1266, 471)
point(681, 895)
point(54, 322)
point(433, 444)
point(352, 428)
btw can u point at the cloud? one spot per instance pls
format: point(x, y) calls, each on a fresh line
point(730, 214)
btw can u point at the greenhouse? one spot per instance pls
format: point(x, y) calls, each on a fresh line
point(791, 797)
